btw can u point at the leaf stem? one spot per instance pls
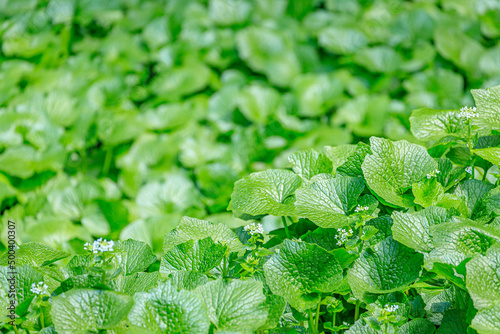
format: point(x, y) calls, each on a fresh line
point(107, 161)
point(469, 132)
point(42, 321)
point(485, 172)
point(316, 323)
point(356, 311)
point(225, 267)
point(311, 322)
point(287, 232)
point(15, 329)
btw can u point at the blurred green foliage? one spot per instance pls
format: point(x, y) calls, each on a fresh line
point(117, 117)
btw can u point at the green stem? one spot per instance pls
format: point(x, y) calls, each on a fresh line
point(485, 173)
point(287, 232)
point(15, 329)
point(469, 132)
point(107, 161)
point(311, 321)
point(334, 318)
point(316, 323)
point(385, 328)
point(356, 311)
point(225, 267)
point(42, 321)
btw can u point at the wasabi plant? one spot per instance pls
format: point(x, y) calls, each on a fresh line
point(374, 238)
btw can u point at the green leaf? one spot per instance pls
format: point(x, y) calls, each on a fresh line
point(383, 224)
point(360, 327)
point(460, 239)
point(301, 269)
point(227, 12)
point(339, 154)
point(25, 277)
point(258, 103)
point(165, 309)
point(134, 283)
point(487, 321)
point(393, 167)
point(268, 192)
point(82, 310)
point(234, 305)
point(269, 52)
point(488, 107)
point(389, 266)
point(307, 163)
point(454, 274)
point(188, 280)
point(328, 202)
point(181, 81)
point(418, 326)
point(18, 161)
point(489, 203)
point(276, 306)
point(194, 255)
point(78, 281)
point(135, 256)
point(176, 193)
point(115, 212)
point(483, 278)
point(352, 165)
point(316, 93)
point(430, 124)
point(380, 59)
point(428, 192)
point(454, 322)
point(491, 154)
point(413, 229)
point(35, 254)
point(471, 192)
point(196, 229)
point(341, 40)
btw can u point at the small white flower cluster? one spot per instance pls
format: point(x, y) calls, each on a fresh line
point(391, 308)
point(254, 228)
point(342, 235)
point(468, 113)
point(468, 169)
point(360, 208)
point(40, 288)
point(432, 174)
point(100, 245)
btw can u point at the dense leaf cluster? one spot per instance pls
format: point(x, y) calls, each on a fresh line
point(120, 116)
point(379, 237)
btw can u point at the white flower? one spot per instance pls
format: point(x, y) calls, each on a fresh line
point(468, 113)
point(468, 169)
point(343, 235)
point(391, 308)
point(40, 288)
point(254, 228)
point(100, 245)
point(360, 208)
point(88, 246)
point(432, 174)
